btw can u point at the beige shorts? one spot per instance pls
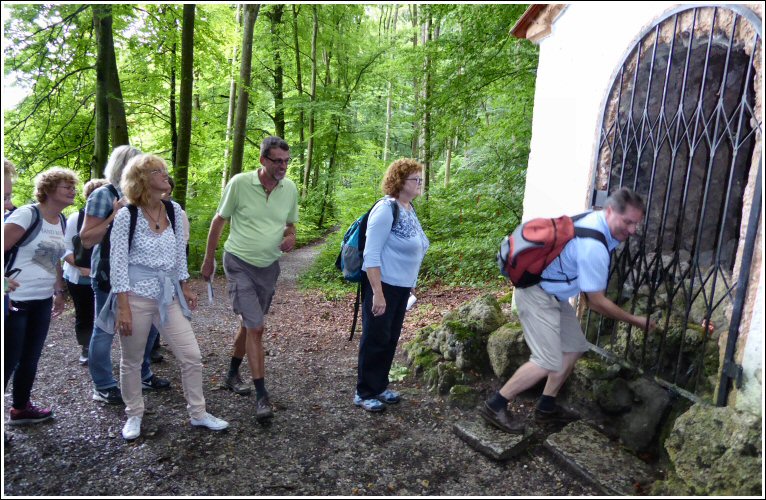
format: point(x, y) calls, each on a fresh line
point(251, 288)
point(550, 327)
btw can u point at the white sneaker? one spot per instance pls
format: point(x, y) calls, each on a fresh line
point(211, 422)
point(132, 428)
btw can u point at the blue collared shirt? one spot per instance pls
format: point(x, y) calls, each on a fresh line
point(99, 205)
point(584, 262)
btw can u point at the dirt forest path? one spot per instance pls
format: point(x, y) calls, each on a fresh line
point(318, 443)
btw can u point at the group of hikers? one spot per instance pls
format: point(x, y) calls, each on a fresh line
point(125, 267)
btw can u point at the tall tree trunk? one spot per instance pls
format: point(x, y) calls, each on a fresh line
point(299, 80)
point(330, 175)
point(327, 54)
point(451, 145)
point(232, 103)
point(185, 105)
point(240, 120)
point(387, 141)
point(118, 125)
point(101, 147)
point(310, 146)
point(173, 119)
point(415, 124)
point(427, 106)
point(279, 108)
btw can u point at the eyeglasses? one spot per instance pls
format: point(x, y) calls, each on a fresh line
point(278, 161)
point(68, 187)
point(164, 173)
point(419, 180)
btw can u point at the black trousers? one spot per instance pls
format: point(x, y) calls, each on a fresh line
point(84, 311)
point(380, 334)
point(26, 328)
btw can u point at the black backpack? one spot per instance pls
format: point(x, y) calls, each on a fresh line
point(79, 252)
point(32, 231)
point(101, 273)
point(134, 220)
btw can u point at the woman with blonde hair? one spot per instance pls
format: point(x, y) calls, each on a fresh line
point(148, 277)
point(396, 245)
point(34, 245)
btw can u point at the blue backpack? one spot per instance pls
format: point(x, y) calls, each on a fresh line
point(351, 255)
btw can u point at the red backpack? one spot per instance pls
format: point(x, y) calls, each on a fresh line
point(533, 245)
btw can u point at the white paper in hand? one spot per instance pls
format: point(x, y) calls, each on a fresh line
point(411, 302)
point(210, 295)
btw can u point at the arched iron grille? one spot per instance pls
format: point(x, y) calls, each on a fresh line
point(680, 128)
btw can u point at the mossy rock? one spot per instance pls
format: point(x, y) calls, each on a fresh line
point(717, 451)
point(463, 396)
point(481, 315)
point(507, 350)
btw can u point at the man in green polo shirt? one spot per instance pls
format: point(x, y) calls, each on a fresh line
point(263, 208)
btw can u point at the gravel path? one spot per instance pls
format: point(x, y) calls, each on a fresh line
point(317, 444)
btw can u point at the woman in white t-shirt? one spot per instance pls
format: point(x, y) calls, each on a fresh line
point(41, 290)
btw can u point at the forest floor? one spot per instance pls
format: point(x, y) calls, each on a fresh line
point(318, 442)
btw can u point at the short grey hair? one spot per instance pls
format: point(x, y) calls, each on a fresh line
point(117, 161)
point(621, 198)
point(273, 142)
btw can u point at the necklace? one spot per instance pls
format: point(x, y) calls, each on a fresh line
point(157, 220)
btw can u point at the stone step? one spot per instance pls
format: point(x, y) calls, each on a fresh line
point(593, 456)
point(492, 442)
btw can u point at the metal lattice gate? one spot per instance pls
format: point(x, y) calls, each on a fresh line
point(680, 128)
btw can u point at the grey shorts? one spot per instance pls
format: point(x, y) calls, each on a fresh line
point(550, 327)
point(251, 288)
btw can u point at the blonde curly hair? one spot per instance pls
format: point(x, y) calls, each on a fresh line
point(397, 173)
point(48, 181)
point(136, 176)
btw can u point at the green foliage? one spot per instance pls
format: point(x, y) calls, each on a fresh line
point(398, 372)
point(480, 105)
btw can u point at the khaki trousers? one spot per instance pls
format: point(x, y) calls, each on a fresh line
point(178, 333)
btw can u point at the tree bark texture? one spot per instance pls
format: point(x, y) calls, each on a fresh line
point(185, 105)
point(101, 147)
point(240, 119)
point(313, 96)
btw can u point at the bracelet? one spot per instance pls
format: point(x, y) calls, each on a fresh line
point(61, 291)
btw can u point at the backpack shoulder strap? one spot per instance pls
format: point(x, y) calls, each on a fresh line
point(34, 228)
point(395, 210)
point(80, 219)
point(171, 211)
point(584, 232)
point(133, 220)
point(62, 219)
point(113, 190)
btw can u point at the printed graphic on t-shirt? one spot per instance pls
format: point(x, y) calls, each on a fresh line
point(48, 252)
point(405, 227)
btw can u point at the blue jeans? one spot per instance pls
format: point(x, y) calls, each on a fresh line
point(100, 351)
point(26, 329)
point(380, 334)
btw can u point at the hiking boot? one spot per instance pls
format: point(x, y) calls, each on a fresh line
point(235, 384)
point(83, 357)
point(371, 404)
point(31, 414)
point(559, 415)
point(263, 408)
point(389, 396)
point(111, 395)
point(155, 383)
point(132, 428)
point(209, 421)
point(502, 419)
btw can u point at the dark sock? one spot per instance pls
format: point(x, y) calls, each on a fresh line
point(546, 403)
point(234, 366)
point(260, 388)
point(497, 402)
